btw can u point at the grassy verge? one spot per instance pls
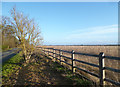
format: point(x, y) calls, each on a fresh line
point(75, 78)
point(10, 66)
point(4, 48)
point(41, 71)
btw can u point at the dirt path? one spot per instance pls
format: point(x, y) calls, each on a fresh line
point(43, 71)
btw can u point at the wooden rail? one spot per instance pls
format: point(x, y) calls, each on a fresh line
point(101, 65)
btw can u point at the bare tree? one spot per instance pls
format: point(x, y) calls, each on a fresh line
point(27, 32)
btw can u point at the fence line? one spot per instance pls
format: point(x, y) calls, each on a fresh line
point(101, 65)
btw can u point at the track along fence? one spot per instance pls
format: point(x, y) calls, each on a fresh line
point(101, 66)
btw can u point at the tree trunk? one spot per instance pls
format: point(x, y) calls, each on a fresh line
point(24, 52)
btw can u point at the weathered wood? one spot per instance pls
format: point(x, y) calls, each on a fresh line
point(101, 65)
point(87, 72)
point(73, 62)
point(86, 54)
point(41, 49)
point(48, 51)
point(45, 51)
point(66, 51)
point(54, 55)
point(51, 55)
point(113, 82)
point(67, 57)
point(57, 54)
point(111, 69)
point(91, 64)
point(60, 52)
point(101, 70)
point(56, 49)
point(66, 63)
point(112, 57)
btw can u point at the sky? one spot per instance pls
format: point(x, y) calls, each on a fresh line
point(72, 23)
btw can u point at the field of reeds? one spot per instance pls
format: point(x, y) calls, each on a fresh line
point(108, 51)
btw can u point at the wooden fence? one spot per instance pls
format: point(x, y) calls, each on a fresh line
point(101, 65)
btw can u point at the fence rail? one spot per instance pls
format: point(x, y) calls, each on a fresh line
point(101, 65)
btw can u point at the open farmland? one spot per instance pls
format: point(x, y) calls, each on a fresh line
point(108, 51)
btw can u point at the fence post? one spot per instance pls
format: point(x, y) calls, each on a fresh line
point(42, 49)
point(45, 50)
point(48, 51)
point(53, 54)
point(60, 53)
point(101, 70)
point(73, 62)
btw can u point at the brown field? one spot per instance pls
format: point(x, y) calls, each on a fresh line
point(108, 51)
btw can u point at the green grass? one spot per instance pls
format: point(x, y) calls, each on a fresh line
point(4, 47)
point(11, 65)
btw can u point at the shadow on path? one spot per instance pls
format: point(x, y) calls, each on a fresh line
point(42, 72)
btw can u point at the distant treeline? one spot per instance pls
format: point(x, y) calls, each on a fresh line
point(9, 39)
point(85, 45)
